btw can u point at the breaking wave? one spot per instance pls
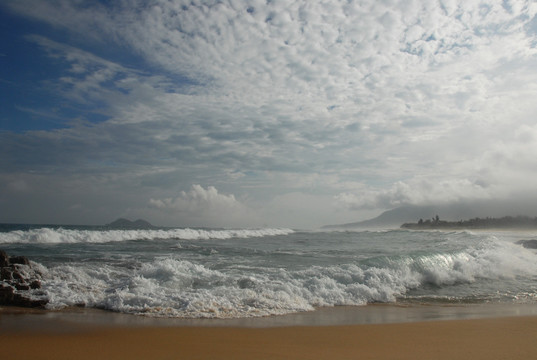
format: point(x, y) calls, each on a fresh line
point(68, 236)
point(174, 287)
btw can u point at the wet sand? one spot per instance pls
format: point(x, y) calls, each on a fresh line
point(89, 335)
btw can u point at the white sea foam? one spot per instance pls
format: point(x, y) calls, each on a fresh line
point(176, 287)
point(68, 236)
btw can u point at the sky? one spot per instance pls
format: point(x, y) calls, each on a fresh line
point(263, 113)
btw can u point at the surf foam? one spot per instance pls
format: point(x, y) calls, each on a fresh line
point(174, 287)
point(68, 236)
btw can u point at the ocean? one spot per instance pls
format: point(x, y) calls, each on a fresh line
point(243, 273)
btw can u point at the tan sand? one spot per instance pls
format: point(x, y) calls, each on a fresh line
point(496, 338)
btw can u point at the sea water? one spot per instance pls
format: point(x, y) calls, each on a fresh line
point(204, 273)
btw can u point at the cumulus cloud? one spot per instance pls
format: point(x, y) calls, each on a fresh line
point(205, 206)
point(196, 200)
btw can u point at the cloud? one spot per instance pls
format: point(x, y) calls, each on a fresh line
point(196, 200)
point(332, 52)
point(418, 192)
point(298, 60)
point(288, 105)
point(205, 206)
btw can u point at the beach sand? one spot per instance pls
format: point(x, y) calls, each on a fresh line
point(476, 338)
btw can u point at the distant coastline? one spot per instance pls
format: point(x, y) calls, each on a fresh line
point(506, 222)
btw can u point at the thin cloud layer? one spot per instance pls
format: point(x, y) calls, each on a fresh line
point(330, 111)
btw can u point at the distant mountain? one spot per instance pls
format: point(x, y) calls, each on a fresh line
point(453, 212)
point(391, 218)
point(122, 223)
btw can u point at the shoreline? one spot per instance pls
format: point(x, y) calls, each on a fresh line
point(500, 337)
point(22, 320)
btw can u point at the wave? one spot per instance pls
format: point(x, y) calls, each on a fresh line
point(171, 287)
point(68, 236)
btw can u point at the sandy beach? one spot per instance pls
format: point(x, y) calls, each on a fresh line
point(512, 337)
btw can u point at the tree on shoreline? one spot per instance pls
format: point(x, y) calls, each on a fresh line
point(475, 223)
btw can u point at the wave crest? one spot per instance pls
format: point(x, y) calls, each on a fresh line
point(68, 236)
point(179, 288)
